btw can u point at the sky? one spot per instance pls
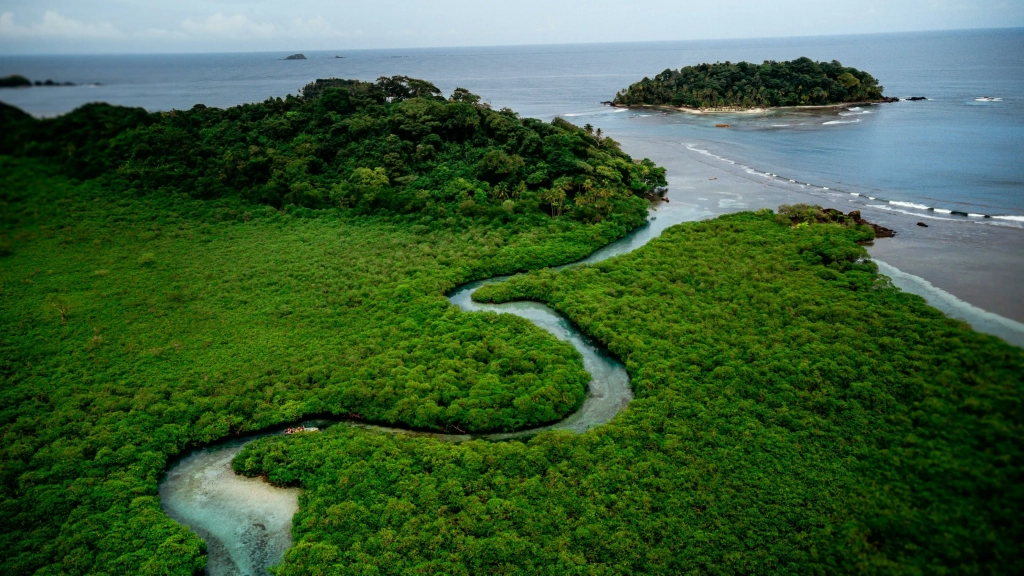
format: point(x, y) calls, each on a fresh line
point(142, 26)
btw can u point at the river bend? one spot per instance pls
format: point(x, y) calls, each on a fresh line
point(247, 522)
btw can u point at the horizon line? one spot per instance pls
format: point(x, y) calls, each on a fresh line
point(484, 46)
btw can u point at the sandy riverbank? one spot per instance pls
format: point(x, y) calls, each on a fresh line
point(982, 264)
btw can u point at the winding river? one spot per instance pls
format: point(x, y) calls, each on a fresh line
point(247, 522)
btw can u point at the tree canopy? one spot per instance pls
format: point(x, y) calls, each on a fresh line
point(431, 156)
point(799, 82)
point(794, 413)
point(173, 279)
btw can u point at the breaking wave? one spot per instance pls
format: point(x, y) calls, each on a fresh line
point(890, 205)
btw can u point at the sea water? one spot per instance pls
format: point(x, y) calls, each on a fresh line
point(951, 152)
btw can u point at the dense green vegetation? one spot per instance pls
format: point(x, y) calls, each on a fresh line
point(799, 82)
point(795, 413)
point(168, 280)
point(133, 328)
point(211, 272)
point(395, 145)
point(14, 81)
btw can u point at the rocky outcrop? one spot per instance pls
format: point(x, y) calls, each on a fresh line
point(14, 81)
point(880, 231)
point(296, 57)
point(805, 213)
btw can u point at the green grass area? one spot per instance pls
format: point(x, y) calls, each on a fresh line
point(133, 327)
point(795, 413)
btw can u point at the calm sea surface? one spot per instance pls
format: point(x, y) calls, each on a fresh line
point(951, 152)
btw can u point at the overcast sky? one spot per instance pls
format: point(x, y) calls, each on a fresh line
point(96, 26)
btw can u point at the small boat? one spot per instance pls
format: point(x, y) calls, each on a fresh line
point(988, 99)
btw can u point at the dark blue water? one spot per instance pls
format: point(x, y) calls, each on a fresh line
point(949, 152)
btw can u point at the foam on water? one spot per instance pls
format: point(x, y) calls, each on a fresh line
point(1001, 220)
point(908, 204)
point(981, 320)
point(915, 214)
point(831, 122)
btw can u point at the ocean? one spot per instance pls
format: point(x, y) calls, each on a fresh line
point(950, 156)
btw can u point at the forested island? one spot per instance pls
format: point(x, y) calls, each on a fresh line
point(14, 81)
point(173, 279)
point(19, 81)
point(743, 85)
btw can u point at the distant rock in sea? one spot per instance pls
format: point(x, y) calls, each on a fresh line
point(296, 57)
point(916, 98)
point(14, 81)
point(339, 56)
point(19, 81)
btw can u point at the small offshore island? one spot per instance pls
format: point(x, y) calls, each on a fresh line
point(19, 81)
point(747, 87)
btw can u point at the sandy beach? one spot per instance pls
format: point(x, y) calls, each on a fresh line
point(979, 263)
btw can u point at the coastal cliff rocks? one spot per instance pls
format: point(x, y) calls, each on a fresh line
point(798, 214)
point(880, 231)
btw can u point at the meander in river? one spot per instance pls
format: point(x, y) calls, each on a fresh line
point(246, 522)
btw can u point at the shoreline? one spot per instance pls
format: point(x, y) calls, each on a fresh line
point(981, 264)
point(740, 110)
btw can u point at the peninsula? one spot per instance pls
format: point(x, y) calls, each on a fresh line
point(743, 86)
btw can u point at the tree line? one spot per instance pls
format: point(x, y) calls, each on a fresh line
point(394, 145)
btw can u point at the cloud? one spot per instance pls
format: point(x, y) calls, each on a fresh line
point(53, 25)
point(239, 26)
point(217, 26)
